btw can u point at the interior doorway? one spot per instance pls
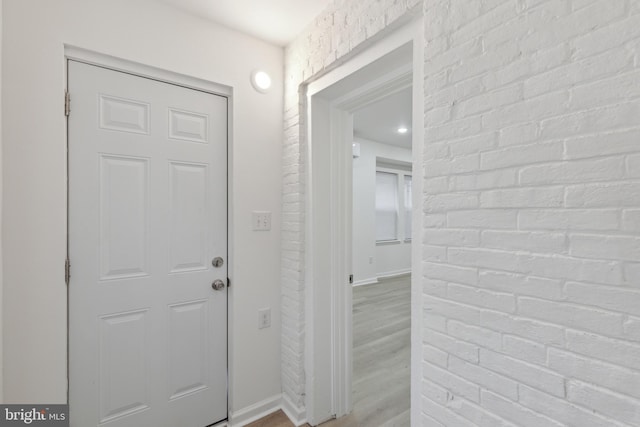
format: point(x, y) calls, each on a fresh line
point(382, 188)
point(381, 256)
point(384, 70)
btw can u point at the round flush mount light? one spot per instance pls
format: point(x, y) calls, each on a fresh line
point(403, 129)
point(261, 81)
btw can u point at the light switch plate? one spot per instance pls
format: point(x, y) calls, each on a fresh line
point(264, 318)
point(261, 220)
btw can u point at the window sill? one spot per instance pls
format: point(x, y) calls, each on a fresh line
point(387, 242)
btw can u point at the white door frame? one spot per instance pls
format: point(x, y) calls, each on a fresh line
point(328, 306)
point(130, 67)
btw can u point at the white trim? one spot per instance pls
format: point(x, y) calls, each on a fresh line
point(298, 416)
point(90, 57)
point(329, 218)
point(394, 274)
point(393, 166)
point(364, 282)
point(328, 382)
point(389, 242)
point(418, 147)
point(389, 43)
point(256, 411)
point(316, 386)
point(251, 413)
point(383, 276)
point(131, 67)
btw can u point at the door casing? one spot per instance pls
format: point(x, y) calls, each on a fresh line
point(328, 304)
point(170, 77)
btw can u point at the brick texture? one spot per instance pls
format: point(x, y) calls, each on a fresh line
point(531, 206)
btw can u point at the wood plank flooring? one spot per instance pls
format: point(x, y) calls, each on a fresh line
point(381, 358)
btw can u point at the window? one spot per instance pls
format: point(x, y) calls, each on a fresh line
point(386, 206)
point(393, 204)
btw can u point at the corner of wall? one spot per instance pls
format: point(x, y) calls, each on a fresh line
point(298, 416)
point(255, 412)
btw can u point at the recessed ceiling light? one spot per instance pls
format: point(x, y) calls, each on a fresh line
point(261, 81)
point(402, 129)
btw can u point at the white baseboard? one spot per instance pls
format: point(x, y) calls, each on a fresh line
point(256, 411)
point(369, 281)
point(394, 274)
point(382, 276)
point(297, 415)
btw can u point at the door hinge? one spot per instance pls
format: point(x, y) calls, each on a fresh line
point(67, 271)
point(351, 279)
point(228, 282)
point(67, 103)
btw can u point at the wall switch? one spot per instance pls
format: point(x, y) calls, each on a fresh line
point(261, 220)
point(264, 318)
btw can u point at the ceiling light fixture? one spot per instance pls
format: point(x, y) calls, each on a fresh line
point(402, 129)
point(261, 81)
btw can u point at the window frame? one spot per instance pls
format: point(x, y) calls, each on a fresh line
point(400, 169)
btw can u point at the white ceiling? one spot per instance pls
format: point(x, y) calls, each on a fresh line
point(279, 22)
point(276, 21)
point(380, 121)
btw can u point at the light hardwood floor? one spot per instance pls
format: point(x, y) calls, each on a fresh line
point(381, 358)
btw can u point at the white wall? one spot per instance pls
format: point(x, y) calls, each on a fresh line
point(371, 260)
point(34, 202)
point(531, 206)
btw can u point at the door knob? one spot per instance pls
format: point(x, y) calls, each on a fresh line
point(217, 285)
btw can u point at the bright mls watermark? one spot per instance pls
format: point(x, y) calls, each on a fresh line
point(34, 415)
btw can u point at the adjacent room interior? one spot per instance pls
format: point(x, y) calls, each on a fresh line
point(382, 216)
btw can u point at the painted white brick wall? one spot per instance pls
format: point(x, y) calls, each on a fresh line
point(544, 94)
point(531, 206)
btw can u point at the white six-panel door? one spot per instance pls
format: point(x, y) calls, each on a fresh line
point(147, 215)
